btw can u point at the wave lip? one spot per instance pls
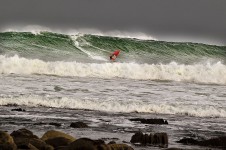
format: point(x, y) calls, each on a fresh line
point(117, 106)
point(199, 73)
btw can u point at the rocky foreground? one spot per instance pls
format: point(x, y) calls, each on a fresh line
point(57, 140)
point(53, 140)
point(24, 139)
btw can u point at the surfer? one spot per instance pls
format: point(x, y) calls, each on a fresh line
point(114, 55)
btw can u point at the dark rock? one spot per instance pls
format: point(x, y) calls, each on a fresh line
point(41, 144)
point(40, 123)
point(61, 148)
point(57, 88)
point(23, 133)
point(31, 143)
point(112, 142)
point(12, 105)
point(6, 141)
point(104, 139)
point(78, 125)
point(141, 138)
point(158, 139)
point(137, 137)
point(18, 109)
point(172, 148)
point(150, 121)
point(214, 142)
point(151, 138)
point(119, 147)
point(85, 144)
point(59, 142)
point(54, 134)
point(88, 144)
point(28, 146)
point(188, 141)
point(55, 124)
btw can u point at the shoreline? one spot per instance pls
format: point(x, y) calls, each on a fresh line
point(104, 126)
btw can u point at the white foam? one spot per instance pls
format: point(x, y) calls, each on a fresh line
point(200, 73)
point(35, 29)
point(90, 54)
point(110, 105)
point(124, 34)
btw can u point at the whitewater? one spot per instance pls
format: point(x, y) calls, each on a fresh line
point(68, 77)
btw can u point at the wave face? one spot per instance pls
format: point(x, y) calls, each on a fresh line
point(88, 56)
point(52, 46)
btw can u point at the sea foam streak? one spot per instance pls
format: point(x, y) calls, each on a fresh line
point(200, 73)
point(111, 105)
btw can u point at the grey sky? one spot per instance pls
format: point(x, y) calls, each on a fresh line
point(201, 20)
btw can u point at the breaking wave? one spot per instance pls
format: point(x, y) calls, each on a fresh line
point(116, 106)
point(198, 73)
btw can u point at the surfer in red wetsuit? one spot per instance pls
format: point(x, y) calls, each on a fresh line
point(114, 55)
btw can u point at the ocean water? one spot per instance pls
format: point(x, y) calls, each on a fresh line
point(65, 78)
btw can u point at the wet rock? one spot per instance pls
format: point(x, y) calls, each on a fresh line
point(78, 125)
point(52, 124)
point(40, 123)
point(61, 148)
point(119, 147)
point(188, 141)
point(86, 144)
point(112, 142)
point(23, 133)
point(25, 139)
point(54, 134)
point(31, 143)
point(214, 142)
point(6, 141)
point(41, 144)
point(28, 146)
point(55, 124)
point(141, 138)
point(173, 149)
point(18, 109)
point(137, 137)
point(158, 139)
point(59, 142)
point(151, 138)
point(57, 88)
point(150, 121)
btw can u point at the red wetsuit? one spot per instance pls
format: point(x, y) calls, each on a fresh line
point(114, 55)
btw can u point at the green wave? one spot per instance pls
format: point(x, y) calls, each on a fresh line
point(53, 46)
point(159, 50)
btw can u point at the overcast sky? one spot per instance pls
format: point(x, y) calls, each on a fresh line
point(194, 20)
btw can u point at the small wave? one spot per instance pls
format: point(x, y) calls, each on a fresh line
point(110, 105)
